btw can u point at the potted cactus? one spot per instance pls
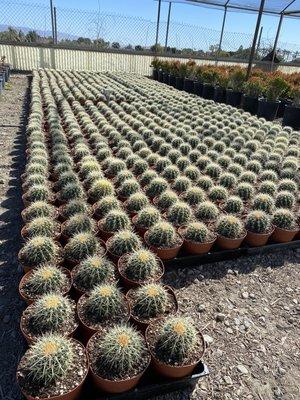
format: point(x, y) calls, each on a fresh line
point(90, 272)
point(179, 214)
point(163, 240)
point(165, 200)
point(50, 313)
point(146, 177)
point(135, 203)
point(193, 196)
point(151, 302)
point(233, 205)
point(99, 189)
point(78, 223)
point(41, 226)
point(140, 267)
point(146, 218)
point(102, 207)
point(38, 192)
point(39, 250)
point(285, 199)
point(104, 305)
point(125, 241)
point(54, 367)
point(156, 187)
point(207, 212)
point(176, 346)
point(231, 232)
point(45, 279)
point(197, 238)
point(118, 358)
point(259, 228)
point(263, 202)
point(70, 191)
point(76, 206)
point(39, 209)
point(114, 221)
point(127, 188)
point(81, 246)
point(286, 227)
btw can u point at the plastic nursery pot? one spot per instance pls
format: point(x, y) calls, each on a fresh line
point(291, 116)
point(155, 74)
point(24, 279)
point(172, 371)
point(208, 91)
point(87, 331)
point(73, 394)
point(282, 106)
point(284, 235)
point(160, 76)
point(250, 104)
point(267, 109)
point(112, 386)
point(71, 262)
point(164, 253)
point(198, 88)
point(188, 85)
point(228, 243)
point(179, 83)
point(143, 325)
point(104, 235)
point(140, 230)
point(220, 95)
point(233, 97)
point(258, 239)
point(129, 283)
point(192, 247)
point(165, 77)
point(172, 80)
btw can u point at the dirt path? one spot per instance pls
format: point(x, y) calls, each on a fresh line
point(13, 105)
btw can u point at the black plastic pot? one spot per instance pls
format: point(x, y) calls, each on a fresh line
point(281, 108)
point(291, 116)
point(188, 85)
point(208, 91)
point(179, 83)
point(267, 109)
point(250, 104)
point(166, 77)
point(233, 98)
point(155, 74)
point(198, 88)
point(172, 80)
point(220, 94)
point(160, 76)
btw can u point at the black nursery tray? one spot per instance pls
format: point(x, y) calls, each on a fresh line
point(184, 260)
point(150, 385)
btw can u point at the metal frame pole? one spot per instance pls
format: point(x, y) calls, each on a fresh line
point(52, 21)
point(157, 25)
point(252, 53)
point(259, 40)
point(276, 40)
point(168, 25)
point(223, 26)
point(55, 25)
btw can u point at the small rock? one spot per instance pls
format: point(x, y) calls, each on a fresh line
point(252, 295)
point(282, 371)
point(245, 295)
point(208, 339)
point(1, 181)
point(220, 317)
point(227, 380)
point(201, 307)
point(230, 271)
point(242, 369)
point(229, 330)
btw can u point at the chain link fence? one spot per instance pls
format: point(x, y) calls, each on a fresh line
point(28, 22)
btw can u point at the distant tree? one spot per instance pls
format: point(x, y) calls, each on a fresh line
point(84, 41)
point(129, 47)
point(115, 45)
point(157, 48)
point(138, 48)
point(101, 43)
point(32, 37)
point(11, 35)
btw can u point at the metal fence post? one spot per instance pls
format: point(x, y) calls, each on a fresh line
point(157, 25)
point(55, 27)
point(168, 25)
point(52, 21)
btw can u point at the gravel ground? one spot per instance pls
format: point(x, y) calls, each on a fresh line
point(248, 309)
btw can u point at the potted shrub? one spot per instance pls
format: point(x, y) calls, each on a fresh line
point(54, 367)
point(102, 207)
point(176, 346)
point(163, 240)
point(253, 89)
point(149, 303)
point(121, 243)
point(231, 232)
point(81, 246)
point(146, 218)
point(235, 86)
point(259, 228)
point(268, 106)
point(197, 238)
point(179, 214)
point(291, 116)
point(198, 83)
point(140, 267)
point(114, 221)
point(188, 83)
point(181, 73)
point(209, 77)
point(45, 279)
point(155, 64)
point(41, 226)
point(221, 84)
point(118, 358)
point(104, 305)
point(92, 271)
point(38, 251)
point(286, 226)
point(50, 313)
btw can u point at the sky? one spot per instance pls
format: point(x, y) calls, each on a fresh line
point(182, 13)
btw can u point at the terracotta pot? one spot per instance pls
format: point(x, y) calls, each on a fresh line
point(128, 283)
point(257, 239)
point(115, 386)
point(141, 325)
point(284, 235)
point(229, 244)
point(27, 275)
point(171, 371)
point(164, 253)
point(56, 236)
point(192, 247)
point(140, 230)
point(71, 395)
point(71, 263)
point(105, 235)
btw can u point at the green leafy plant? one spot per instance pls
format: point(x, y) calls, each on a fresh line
point(275, 88)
